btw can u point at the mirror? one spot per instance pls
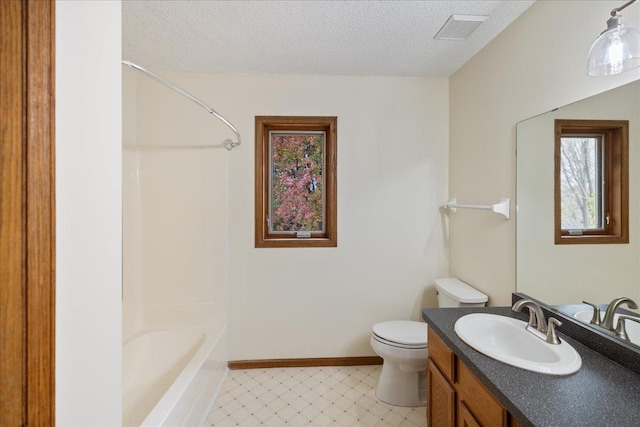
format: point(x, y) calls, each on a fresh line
point(569, 274)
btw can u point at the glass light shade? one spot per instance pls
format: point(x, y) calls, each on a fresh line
point(616, 50)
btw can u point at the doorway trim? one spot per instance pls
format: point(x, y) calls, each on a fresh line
point(27, 213)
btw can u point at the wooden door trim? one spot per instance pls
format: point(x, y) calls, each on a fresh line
point(12, 239)
point(27, 213)
point(40, 211)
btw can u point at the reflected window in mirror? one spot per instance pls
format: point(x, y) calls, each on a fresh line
point(591, 181)
point(581, 183)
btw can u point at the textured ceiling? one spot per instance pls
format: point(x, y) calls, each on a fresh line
point(393, 38)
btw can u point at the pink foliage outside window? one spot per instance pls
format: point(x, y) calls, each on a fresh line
point(297, 169)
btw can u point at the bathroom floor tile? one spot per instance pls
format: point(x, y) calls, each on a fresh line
point(308, 397)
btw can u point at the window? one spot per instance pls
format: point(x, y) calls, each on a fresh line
point(295, 182)
point(591, 181)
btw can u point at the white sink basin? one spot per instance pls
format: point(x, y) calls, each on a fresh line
point(507, 340)
point(633, 328)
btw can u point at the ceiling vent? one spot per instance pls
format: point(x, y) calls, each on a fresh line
point(459, 27)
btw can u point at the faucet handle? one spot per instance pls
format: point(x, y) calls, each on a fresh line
point(552, 337)
point(595, 320)
point(621, 330)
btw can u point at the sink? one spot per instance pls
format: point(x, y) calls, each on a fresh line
point(507, 340)
point(633, 328)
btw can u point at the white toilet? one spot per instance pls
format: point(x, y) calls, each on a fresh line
point(402, 345)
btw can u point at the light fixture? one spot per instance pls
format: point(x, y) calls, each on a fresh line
point(617, 49)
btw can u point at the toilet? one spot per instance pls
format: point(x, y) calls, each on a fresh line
point(402, 345)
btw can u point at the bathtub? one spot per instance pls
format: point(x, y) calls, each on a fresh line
point(171, 376)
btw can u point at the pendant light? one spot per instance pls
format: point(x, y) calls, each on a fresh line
point(617, 49)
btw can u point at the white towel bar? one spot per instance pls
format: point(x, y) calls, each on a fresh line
point(502, 207)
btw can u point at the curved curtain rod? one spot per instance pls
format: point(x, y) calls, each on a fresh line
point(228, 143)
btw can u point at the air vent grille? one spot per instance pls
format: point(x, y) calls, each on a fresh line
point(459, 27)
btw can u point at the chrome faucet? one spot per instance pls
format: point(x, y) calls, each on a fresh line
point(607, 321)
point(537, 323)
point(536, 316)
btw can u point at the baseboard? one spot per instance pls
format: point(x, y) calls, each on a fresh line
point(304, 363)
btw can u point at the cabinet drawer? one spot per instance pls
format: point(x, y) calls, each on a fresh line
point(441, 355)
point(478, 400)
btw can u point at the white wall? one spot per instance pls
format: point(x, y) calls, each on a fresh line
point(392, 176)
point(536, 64)
point(88, 201)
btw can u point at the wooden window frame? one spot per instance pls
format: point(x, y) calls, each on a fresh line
point(265, 124)
point(616, 178)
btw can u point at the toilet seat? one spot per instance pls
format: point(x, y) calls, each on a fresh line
point(395, 344)
point(402, 334)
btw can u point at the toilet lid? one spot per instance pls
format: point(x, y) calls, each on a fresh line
point(403, 332)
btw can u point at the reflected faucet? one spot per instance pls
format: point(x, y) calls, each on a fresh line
point(607, 321)
point(595, 319)
point(621, 330)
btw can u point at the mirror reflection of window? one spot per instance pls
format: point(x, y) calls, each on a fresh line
point(591, 181)
point(569, 272)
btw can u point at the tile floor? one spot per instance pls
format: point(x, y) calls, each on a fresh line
point(341, 396)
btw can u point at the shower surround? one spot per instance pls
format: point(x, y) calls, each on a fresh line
point(174, 255)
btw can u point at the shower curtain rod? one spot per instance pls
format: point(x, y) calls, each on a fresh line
point(228, 143)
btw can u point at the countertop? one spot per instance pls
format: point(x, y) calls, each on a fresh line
point(601, 393)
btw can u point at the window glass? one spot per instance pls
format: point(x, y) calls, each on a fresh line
point(296, 196)
point(581, 183)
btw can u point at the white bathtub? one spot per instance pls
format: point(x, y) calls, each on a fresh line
point(171, 376)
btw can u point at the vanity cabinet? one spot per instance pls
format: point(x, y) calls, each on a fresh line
point(455, 396)
point(441, 406)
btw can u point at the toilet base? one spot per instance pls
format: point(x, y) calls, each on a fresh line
point(400, 387)
point(403, 379)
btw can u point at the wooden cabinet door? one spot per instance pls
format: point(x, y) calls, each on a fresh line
point(465, 417)
point(441, 400)
point(479, 401)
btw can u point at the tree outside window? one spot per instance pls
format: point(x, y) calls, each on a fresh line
point(296, 202)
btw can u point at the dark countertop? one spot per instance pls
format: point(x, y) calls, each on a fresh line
point(601, 393)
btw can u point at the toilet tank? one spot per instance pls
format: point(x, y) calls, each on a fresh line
point(455, 293)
